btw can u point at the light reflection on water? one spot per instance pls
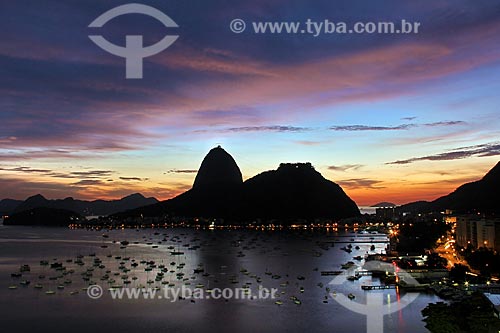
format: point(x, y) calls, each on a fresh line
point(283, 253)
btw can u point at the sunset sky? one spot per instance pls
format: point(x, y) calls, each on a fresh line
point(388, 117)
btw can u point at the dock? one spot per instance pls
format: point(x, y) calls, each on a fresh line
point(364, 273)
point(414, 287)
point(378, 287)
point(360, 242)
point(330, 273)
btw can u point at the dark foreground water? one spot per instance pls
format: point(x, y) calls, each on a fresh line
point(231, 259)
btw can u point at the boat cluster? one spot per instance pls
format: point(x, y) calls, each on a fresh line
point(161, 259)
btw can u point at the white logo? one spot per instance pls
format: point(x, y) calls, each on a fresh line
point(94, 291)
point(237, 26)
point(133, 52)
point(375, 309)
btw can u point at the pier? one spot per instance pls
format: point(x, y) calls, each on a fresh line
point(406, 287)
point(378, 287)
point(359, 242)
point(330, 273)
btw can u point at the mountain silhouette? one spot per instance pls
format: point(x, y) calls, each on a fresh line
point(81, 207)
point(215, 190)
point(9, 205)
point(218, 169)
point(43, 216)
point(384, 204)
point(481, 195)
point(295, 190)
point(292, 191)
point(33, 202)
point(493, 175)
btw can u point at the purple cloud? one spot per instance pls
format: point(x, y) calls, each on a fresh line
point(483, 150)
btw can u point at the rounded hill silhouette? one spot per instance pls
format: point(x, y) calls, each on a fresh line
point(295, 190)
point(218, 169)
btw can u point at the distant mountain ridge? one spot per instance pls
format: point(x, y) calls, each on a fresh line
point(293, 191)
point(482, 195)
point(9, 205)
point(384, 204)
point(81, 207)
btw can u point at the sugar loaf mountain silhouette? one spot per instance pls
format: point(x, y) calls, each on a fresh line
point(293, 191)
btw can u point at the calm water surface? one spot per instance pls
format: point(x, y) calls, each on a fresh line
point(223, 254)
